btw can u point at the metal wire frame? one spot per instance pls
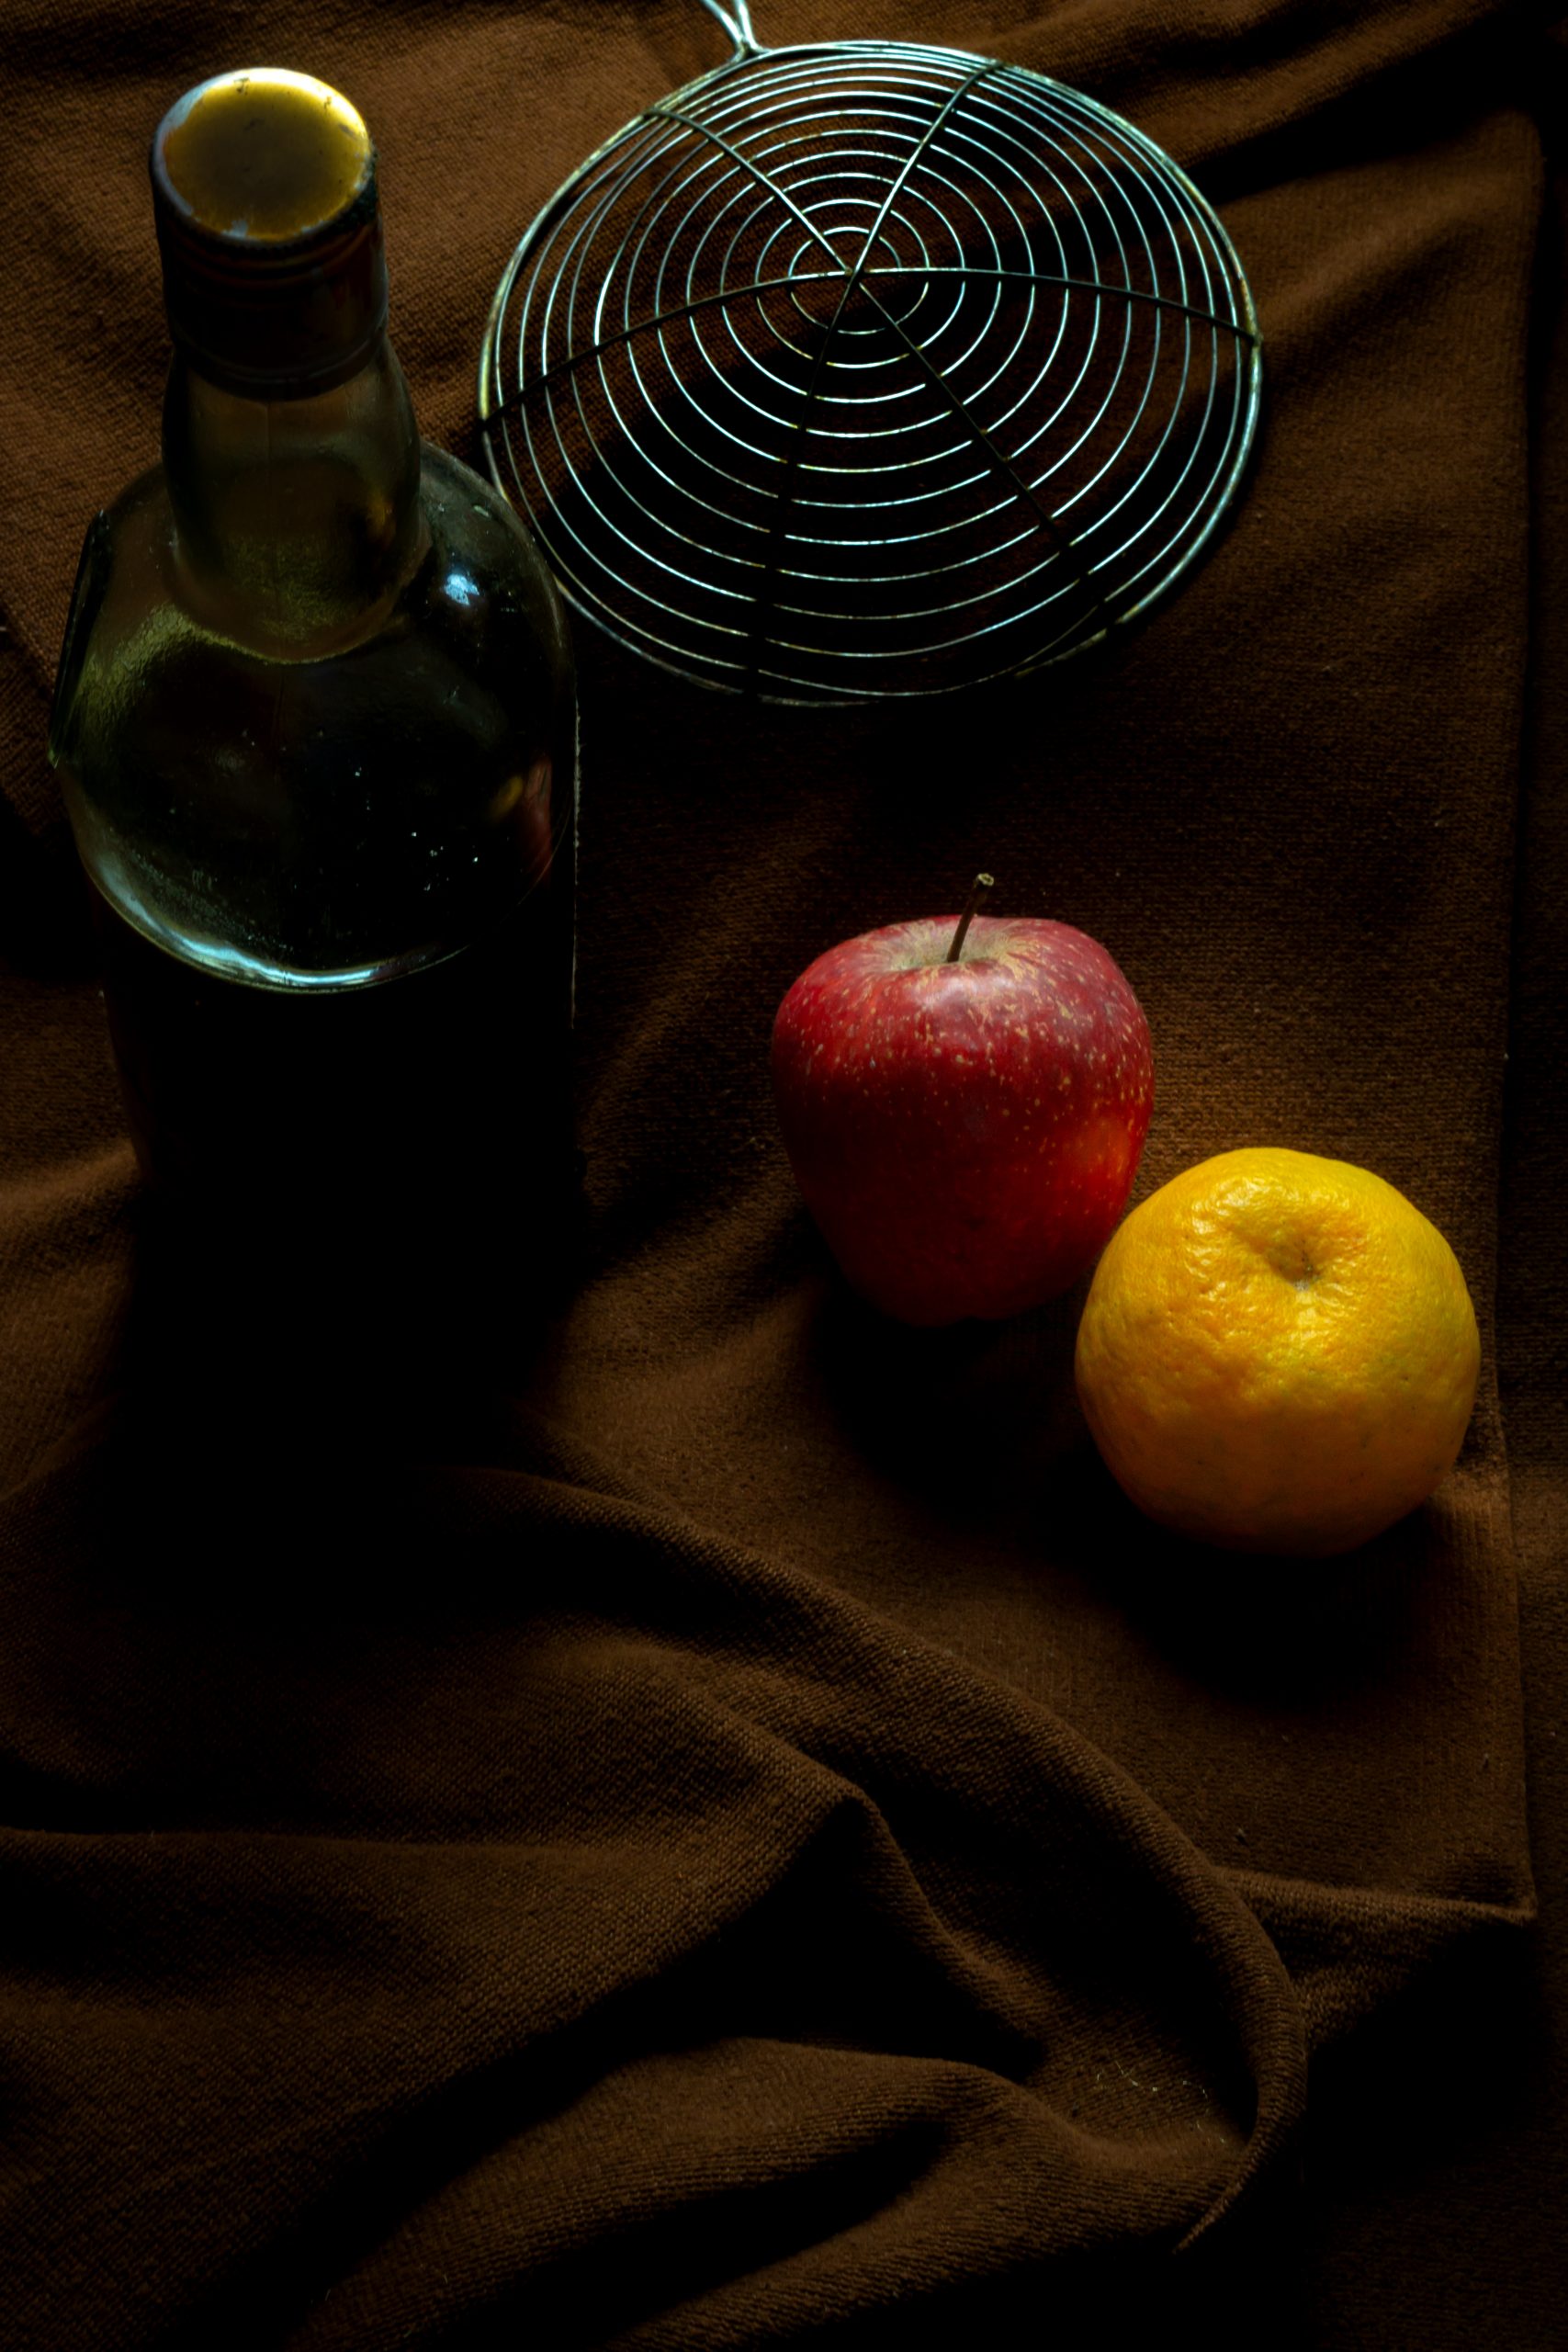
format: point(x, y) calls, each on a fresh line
point(866, 370)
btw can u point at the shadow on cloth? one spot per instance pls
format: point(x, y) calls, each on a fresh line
point(981, 1421)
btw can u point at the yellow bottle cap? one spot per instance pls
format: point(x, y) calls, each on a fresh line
point(263, 191)
point(264, 155)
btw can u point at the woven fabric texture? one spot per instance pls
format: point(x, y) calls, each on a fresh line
point(741, 1836)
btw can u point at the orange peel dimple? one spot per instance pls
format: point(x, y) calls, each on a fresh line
point(1278, 1353)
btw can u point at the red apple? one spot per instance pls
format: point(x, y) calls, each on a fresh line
point(965, 1132)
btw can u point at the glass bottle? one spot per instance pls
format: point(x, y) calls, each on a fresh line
point(314, 722)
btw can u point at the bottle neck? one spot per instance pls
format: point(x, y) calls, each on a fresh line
point(297, 521)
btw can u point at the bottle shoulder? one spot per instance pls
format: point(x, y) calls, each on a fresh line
point(468, 516)
point(475, 559)
point(481, 563)
point(371, 802)
point(475, 643)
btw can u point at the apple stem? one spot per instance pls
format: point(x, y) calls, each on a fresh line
point(983, 886)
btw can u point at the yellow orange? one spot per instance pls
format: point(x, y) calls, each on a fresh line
point(1278, 1354)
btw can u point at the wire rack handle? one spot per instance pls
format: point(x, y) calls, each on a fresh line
point(735, 16)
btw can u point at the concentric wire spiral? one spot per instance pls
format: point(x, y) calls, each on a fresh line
point(868, 369)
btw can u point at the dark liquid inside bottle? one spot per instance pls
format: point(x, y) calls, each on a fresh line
point(364, 1185)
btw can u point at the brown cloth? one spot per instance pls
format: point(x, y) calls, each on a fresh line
point(740, 1836)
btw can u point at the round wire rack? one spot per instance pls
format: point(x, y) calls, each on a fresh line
point(866, 370)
